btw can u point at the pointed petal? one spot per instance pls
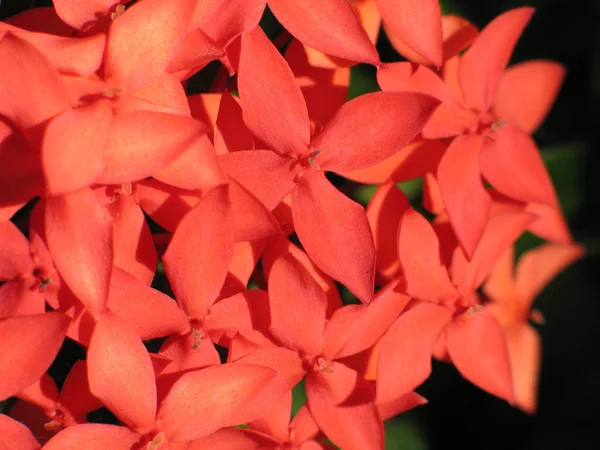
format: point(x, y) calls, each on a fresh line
point(14, 252)
point(413, 161)
point(525, 352)
point(280, 246)
point(243, 262)
point(80, 238)
point(120, 373)
point(346, 144)
point(29, 344)
point(419, 253)
point(142, 143)
point(538, 267)
point(231, 133)
point(477, 345)
point(458, 34)
point(405, 350)
point(483, 64)
point(202, 401)
point(352, 427)
point(163, 94)
point(500, 233)
point(31, 78)
point(331, 27)
point(511, 162)
point(273, 105)
point(75, 394)
point(149, 312)
point(551, 224)
point(384, 211)
point(84, 16)
point(153, 28)
point(418, 24)
point(233, 438)
point(276, 421)
point(290, 370)
point(527, 92)
point(467, 202)
point(251, 218)
point(197, 168)
point(335, 233)
point(298, 306)
point(356, 331)
point(198, 256)
point(267, 175)
point(451, 118)
point(15, 435)
point(93, 436)
point(500, 285)
point(325, 89)
point(243, 312)
point(134, 248)
point(196, 51)
point(73, 147)
point(230, 19)
point(404, 403)
point(165, 204)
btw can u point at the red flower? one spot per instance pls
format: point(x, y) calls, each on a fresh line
point(333, 230)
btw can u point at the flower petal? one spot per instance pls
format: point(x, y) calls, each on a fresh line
point(482, 65)
point(539, 266)
point(477, 346)
point(196, 168)
point(273, 105)
point(419, 253)
point(93, 436)
point(298, 306)
point(512, 163)
point(352, 140)
point(73, 147)
point(335, 233)
point(16, 435)
point(267, 175)
point(415, 160)
point(467, 202)
point(202, 401)
point(418, 24)
point(405, 350)
point(353, 427)
point(501, 232)
point(143, 143)
point(451, 118)
point(144, 39)
point(149, 312)
point(199, 254)
point(28, 344)
point(80, 238)
point(290, 371)
point(120, 372)
point(355, 331)
point(31, 78)
point(384, 211)
point(527, 92)
point(252, 219)
point(14, 252)
point(331, 27)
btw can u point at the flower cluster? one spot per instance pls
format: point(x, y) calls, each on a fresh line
point(114, 171)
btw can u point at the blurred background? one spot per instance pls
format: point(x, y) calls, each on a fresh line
point(460, 414)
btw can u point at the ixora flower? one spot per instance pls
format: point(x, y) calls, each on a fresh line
point(510, 292)
point(492, 112)
point(333, 229)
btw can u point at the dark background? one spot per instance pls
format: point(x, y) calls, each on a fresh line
point(459, 414)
